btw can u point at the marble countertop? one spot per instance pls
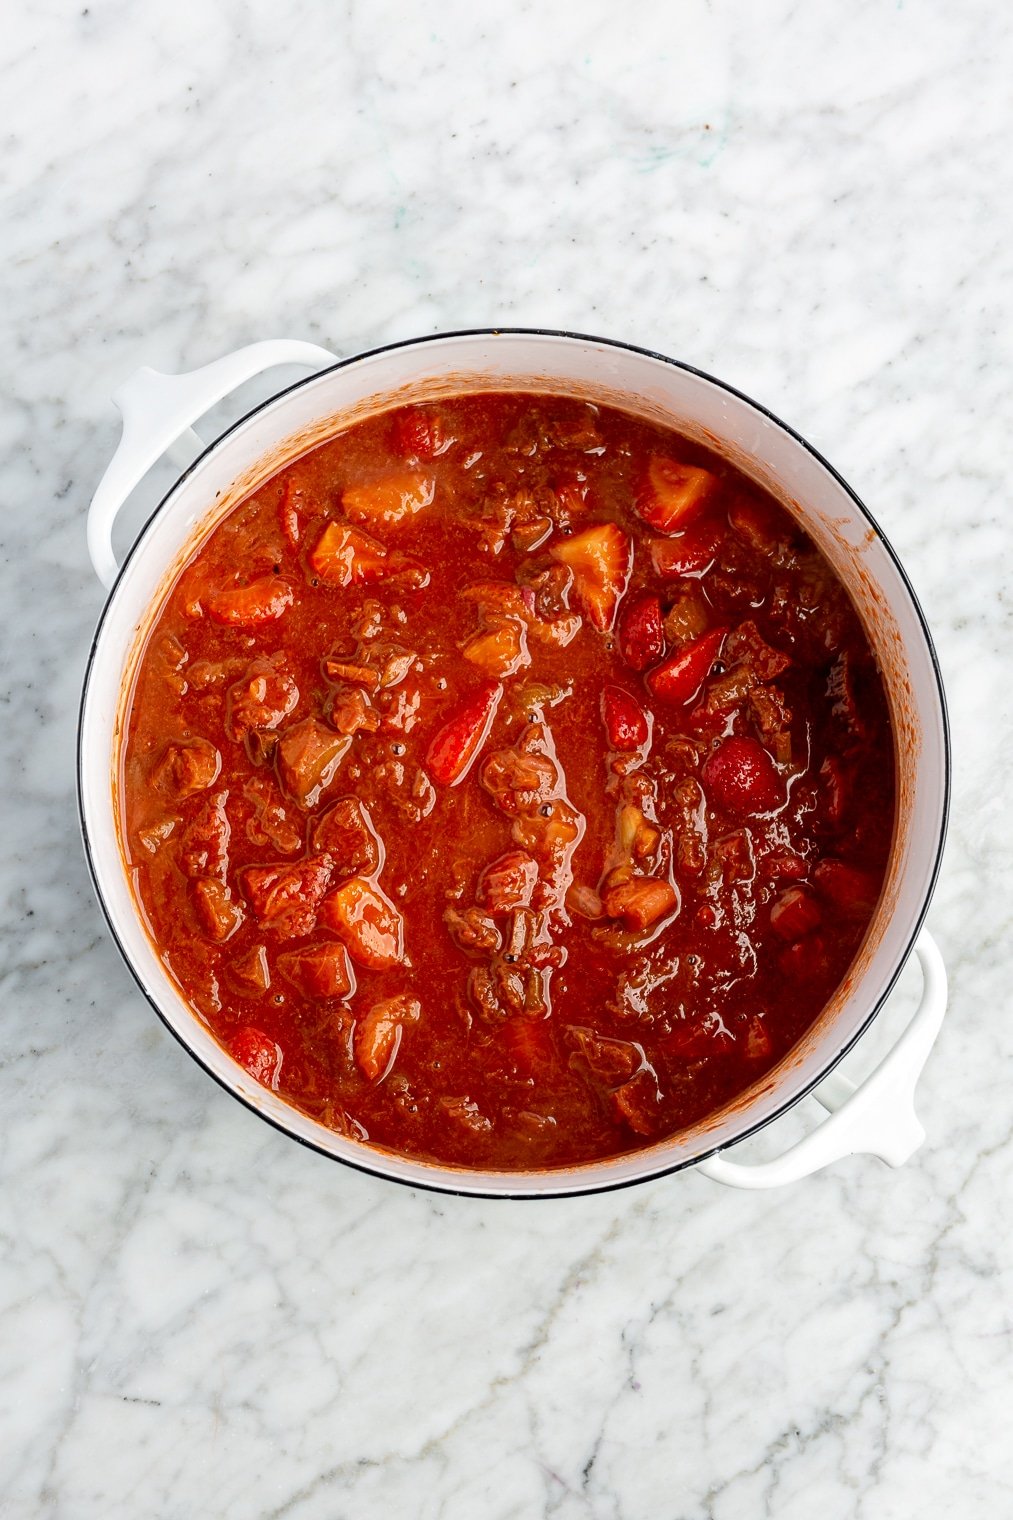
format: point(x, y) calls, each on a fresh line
point(196, 1315)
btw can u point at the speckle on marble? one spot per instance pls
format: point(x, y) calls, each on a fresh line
point(199, 1317)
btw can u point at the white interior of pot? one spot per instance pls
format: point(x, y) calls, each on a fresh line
point(652, 388)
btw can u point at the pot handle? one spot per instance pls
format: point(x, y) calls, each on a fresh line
point(876, 1118)
point(158, 411)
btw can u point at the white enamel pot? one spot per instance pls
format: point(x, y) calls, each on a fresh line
point(876, 1117)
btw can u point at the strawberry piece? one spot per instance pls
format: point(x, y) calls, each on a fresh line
point(418, 434)
point(454, 747)
point(387, 502)
point(601, 559)
point(319, 970)
point(260, 1055)
point(345, 556)
point(378, 1034)
point(794, 914)
point(741, 778)
point(847, 887)
point(367, 921)
point(641, 632)
point(262, 601)
point(681, 677)
point(673, 493)
point(690, 553)
point(625, 721)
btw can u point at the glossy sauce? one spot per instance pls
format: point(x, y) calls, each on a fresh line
point(508, 782)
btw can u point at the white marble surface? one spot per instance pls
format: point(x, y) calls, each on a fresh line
point(198, 1317)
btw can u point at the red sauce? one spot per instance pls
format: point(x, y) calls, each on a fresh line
point(508, 782)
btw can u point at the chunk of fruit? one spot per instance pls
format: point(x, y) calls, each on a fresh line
point(741, 779)
point(368, 923)
point(250, 972)
point(204, 843)
point(264, 696)
point(795, 913)
point(758, 523)
point(689, 554)
point(641, 634)
point(508, 882)
point(387, 502)
point(640, 901)
point(351, 710)
point(500, 650)
point(673, 493)
point(308, 757)
point(285, 896)
point(611, 1061)
point(219, 916)
point(679, 679)
point(346, 833)
point(454, 747)
point(626, 723)
point(848, 887)
point(260, 1055)
point(187, 768)
point(262, 601)
point(345, 556)
point(504, 598)
point(319, 970)
point(600, 558)
point(418, 433)
point(378, 1034)
point(638, 1102)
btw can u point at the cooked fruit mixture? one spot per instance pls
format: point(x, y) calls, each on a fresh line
point(508, 782)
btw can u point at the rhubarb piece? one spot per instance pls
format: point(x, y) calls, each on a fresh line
point(640, 901)
point(601, 559)
point(308, 758)
point(378, 1034)
point(454, 747)
point(508, 882)
point(499, 650)
point(673, 494)
point(262, 699)
point(262, 601)
point(641, 634)
point(219, 916)
point(345, 556)
point(187, 768)
point(679, 679)
point(250, 972)
point(741, 779)
point(368, 923)
point(346, 833)
point(319, 971)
